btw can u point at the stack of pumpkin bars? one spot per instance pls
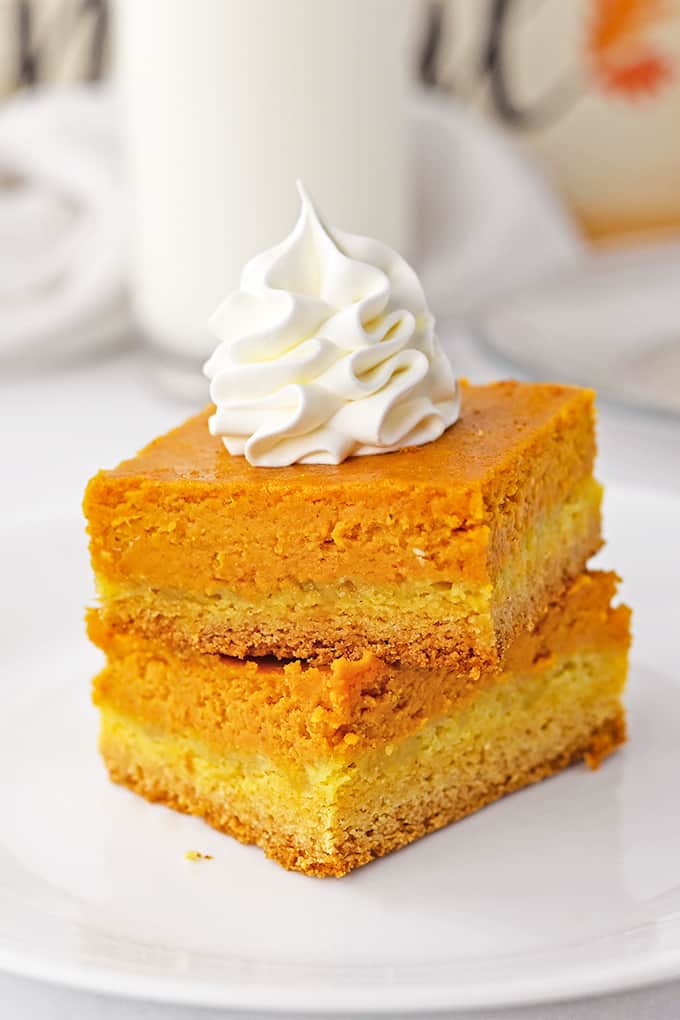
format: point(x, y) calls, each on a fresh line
point(333, 661)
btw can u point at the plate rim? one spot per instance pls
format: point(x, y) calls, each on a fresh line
point(380, 999)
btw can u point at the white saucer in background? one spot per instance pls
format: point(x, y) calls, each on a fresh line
point(610, 320)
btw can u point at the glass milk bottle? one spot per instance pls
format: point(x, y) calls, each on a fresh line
point(223, 104)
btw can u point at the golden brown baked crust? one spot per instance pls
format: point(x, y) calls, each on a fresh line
point(423, 815)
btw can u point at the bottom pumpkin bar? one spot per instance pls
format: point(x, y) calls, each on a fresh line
point(328, 767)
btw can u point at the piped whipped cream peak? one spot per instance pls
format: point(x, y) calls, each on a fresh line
point(327, 351)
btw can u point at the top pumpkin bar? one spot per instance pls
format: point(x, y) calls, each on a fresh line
point(435, 555)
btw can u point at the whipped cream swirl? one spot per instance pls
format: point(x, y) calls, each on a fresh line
point(327, 351)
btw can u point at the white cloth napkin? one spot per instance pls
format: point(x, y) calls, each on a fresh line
point(495, 248)
point(62, 265)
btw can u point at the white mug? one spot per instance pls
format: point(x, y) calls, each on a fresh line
point(223, 104)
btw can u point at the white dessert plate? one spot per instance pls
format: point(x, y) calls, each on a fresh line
point(566, 889)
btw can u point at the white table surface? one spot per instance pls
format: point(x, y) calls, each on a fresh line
point(58, 428)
